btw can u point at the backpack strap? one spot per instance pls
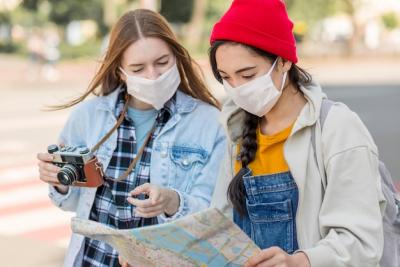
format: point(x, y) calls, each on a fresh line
point(326, 106)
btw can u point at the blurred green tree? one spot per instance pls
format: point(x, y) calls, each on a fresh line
point(177, 11)
point(63, 12)
point(311, 11)
point(31, 4)
point(390, 20)
point(6, 44)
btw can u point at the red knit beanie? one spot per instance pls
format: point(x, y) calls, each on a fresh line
point(260, 23)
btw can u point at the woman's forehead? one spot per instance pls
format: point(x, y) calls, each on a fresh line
point(231, 57)
point(146, 49)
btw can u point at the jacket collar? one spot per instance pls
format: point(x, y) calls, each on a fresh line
point(184, 103)
point(232, 117)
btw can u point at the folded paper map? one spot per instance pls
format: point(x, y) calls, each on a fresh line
point(205, 238)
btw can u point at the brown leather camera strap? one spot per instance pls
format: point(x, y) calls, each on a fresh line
point(141, 150)
point(119, 121)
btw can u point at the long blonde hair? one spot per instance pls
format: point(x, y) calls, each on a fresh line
point(132, 26)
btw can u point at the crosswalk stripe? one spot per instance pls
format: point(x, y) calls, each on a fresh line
point(17, 208)
point(22, 173)
point(23, 195)
point(26, 210)
point(28, 221)
point(18, 184)
point(57, 232)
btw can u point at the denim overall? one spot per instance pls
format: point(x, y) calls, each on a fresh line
point(271, 202)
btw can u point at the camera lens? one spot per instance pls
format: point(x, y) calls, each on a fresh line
point(68, 174)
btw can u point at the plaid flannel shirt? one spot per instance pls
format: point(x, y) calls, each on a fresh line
point(110, 206)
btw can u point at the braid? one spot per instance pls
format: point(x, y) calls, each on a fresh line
point(249, 143)
point(297, 76)
point(236, 190)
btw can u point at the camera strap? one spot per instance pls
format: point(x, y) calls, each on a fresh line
point(141, 150)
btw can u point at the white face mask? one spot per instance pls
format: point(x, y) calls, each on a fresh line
point(258, 96)
point(154, 92)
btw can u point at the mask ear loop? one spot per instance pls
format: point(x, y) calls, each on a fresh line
point(284, 74)
point(272, 67)
point(283, 80)
point(122, 70)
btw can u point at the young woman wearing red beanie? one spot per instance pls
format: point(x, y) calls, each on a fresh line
point(271, 184)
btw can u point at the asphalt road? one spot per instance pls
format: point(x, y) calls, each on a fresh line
point(379, 108)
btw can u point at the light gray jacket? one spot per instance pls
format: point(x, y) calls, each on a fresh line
point(341, 226)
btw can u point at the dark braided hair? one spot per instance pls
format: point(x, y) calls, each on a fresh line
point(297, 76)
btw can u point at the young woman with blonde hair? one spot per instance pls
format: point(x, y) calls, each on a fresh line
point(169, 124)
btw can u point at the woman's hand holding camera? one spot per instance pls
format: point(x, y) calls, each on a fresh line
point(161, 201)
point(48, 172)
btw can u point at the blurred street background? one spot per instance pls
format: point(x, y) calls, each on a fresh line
point(50, 50)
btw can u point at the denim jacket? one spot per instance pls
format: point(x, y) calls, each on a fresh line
point(186, 155)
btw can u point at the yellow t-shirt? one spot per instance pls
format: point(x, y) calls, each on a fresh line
point(269, 156)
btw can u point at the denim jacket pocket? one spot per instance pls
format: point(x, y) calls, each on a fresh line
point(187, 163)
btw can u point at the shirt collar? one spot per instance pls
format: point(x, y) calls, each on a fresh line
point(163, 115)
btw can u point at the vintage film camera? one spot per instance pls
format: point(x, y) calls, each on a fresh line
point(79, 167)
